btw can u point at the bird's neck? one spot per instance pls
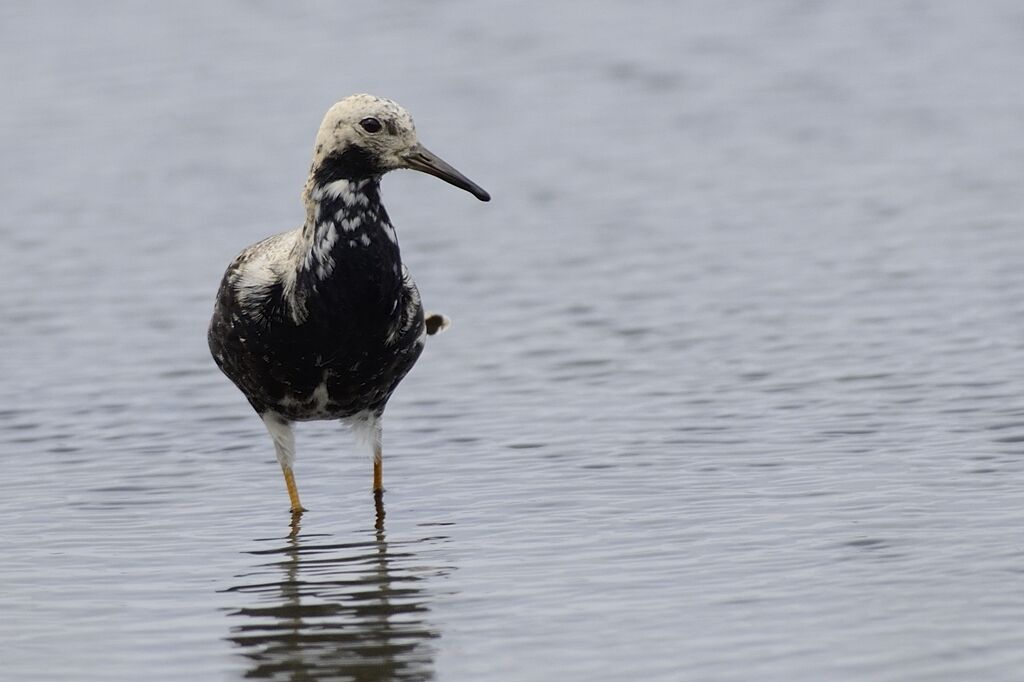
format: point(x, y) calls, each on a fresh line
point(348, 241)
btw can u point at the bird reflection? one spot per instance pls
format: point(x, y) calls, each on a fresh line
point(350, 611)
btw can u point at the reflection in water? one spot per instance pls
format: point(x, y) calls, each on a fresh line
point(347, 611)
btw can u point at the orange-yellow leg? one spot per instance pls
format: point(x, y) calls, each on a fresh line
point(378, 468)
point(293, 491)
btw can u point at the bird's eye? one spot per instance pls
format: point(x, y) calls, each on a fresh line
point(371, 125)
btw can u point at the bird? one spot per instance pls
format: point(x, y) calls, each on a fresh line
point(322, 322)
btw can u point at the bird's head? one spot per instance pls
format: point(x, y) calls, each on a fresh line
point(364, 136)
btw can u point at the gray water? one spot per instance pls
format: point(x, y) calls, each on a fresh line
point(735, 385)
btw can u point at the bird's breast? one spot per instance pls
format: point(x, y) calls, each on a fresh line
point(331, 328)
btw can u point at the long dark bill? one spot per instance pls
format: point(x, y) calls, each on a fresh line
point(422, 159)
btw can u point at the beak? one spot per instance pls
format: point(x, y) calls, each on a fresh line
point(422, 159)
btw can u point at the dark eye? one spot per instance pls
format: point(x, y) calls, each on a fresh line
point(371, 125)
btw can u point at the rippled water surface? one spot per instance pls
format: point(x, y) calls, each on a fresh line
point(735, 388)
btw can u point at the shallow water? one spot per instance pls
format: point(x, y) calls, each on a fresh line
point(734, 389)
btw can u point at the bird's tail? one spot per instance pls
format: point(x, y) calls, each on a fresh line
point(436, 323)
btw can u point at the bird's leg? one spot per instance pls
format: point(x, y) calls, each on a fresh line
point(367, 429)
point(293, 491)
point(284, 446)
point(378, 483)
point(378, 460)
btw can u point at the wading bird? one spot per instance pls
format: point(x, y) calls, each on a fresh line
point(324, 321)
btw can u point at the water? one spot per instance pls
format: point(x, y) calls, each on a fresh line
point(734, 389)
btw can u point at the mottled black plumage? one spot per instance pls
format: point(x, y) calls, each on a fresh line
point(360, 334)
point(352, 164)
point(323, 322)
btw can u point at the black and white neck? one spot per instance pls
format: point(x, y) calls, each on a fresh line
point(347, 236)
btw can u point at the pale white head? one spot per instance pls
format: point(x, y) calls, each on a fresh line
point(366, 136)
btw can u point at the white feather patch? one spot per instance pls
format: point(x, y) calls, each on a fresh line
point(284, 439)
point(366, 428)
